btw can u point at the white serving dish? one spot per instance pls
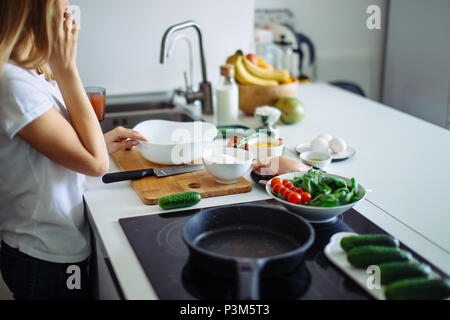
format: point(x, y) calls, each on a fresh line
point(227, 173)
point(325, 159)
point(265, 153)
point(314, 214)
point(175, 143)
point(350, 152)
point(334, 252)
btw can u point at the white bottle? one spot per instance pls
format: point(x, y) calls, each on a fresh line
point(227, 93)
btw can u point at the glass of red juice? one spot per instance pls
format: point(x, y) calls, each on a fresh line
point(97, 97)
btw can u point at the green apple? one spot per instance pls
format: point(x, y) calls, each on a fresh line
point(292, 110)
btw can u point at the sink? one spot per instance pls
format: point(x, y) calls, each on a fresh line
point(128, 111)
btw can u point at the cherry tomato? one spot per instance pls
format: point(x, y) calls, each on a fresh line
point(294, 198)
point(290, 186)
point(287, 193)
point(306, 197)
point(276, 188)
point(275, 181)
point(285, 182)
point(299, 190)
point(283, 190)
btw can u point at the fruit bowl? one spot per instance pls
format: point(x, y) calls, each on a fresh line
point(251, 97)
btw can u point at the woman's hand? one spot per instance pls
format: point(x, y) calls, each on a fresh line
point(121, 138)
point(64, 41)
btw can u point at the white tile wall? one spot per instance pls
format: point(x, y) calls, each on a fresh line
point(119, 44)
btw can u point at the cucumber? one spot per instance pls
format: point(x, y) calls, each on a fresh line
point(396, 271)
point(419, 289)
point(179, 200)
point(384, 240)
point(362, 257)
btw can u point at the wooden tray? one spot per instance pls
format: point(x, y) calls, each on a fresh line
point(151, 189)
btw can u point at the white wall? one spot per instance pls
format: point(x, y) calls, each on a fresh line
point(346, 48)
point(418, 59)
point(120, 40)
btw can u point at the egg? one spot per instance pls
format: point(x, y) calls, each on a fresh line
point(338, 145)
point(325, 136)
point(320, 145)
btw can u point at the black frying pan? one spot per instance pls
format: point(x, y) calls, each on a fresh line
point(247, 240)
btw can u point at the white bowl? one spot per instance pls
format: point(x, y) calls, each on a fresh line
point(315, 214)
point(175, 143)
point(324, 159)
point(227, 173)
point(266, 153)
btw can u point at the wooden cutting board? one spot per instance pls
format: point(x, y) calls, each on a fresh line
point(151, 189)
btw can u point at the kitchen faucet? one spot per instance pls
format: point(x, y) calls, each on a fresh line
point(204, 94)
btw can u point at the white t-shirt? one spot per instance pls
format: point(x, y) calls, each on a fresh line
point(41, 202)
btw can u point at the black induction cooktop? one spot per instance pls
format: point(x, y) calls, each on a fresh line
point(157, 242)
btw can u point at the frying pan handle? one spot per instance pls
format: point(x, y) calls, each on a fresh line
point(248, 271)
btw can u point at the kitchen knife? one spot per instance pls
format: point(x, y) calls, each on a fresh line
point(139, 174)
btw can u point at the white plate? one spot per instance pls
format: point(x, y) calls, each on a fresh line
point(338, 257)
point(350, 152)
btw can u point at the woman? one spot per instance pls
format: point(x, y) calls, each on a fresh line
point(49, 139)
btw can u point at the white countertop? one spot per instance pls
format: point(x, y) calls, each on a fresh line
point(402, 159)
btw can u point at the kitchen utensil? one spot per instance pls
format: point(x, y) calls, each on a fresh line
point(227, 173)
point(335, 157)
point(293, 45)
point(250, 240)
point(151, 189)
point(315, 214)
point(175, 143)
point(318, 160)
point(251, 97)
point(139, 174)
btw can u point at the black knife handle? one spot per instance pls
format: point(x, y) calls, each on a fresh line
point(127, 175)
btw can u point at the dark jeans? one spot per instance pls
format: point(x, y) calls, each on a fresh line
point(29, 278)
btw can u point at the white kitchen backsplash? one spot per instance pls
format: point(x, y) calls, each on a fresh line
point(120, 41)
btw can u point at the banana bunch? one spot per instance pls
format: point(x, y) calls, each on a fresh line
point(248, 73)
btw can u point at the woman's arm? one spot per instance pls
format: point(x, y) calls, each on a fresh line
point(55, 138)
point(81, 146)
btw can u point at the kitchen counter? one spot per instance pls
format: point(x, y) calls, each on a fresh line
point(398, 157)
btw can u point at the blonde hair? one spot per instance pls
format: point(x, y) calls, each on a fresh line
point(27, 20)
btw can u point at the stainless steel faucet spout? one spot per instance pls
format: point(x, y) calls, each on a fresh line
point(178, 27)
point(205, 92)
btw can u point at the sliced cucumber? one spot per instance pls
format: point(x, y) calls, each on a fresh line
point(419, 289)
point(179, 200)
point(384, 240)
point(396, 271)
point(362, 257)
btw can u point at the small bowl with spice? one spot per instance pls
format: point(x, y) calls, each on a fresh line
point(315, 159)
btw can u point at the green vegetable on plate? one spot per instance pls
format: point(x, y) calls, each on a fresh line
point(419, 289)
point(395, 271)
point(385, 240)
point(363, 257)
point(328, 191)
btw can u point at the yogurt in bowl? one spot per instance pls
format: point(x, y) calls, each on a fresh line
point(227, 165)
